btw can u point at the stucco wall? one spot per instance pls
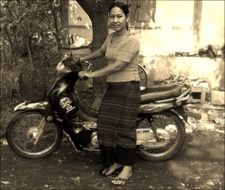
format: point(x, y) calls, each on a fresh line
point(175, 20)
point(211, 70)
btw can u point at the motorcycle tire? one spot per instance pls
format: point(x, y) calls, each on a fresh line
point(165, 123)
point(29, 135)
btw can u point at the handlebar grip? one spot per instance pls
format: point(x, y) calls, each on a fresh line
point(85, 78)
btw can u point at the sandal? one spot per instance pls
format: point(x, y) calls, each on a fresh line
point(119, 181)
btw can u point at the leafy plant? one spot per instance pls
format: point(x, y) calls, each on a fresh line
point(30, 28)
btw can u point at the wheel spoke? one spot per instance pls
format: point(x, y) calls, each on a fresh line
point(40, 130)
point(31, 135)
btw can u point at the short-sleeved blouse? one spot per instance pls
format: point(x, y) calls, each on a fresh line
point(125, 50)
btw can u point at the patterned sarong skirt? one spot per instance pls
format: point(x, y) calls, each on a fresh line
point(117, 122)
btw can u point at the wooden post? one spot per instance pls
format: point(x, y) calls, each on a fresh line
point(197, 22)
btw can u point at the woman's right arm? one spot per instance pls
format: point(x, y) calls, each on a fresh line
point(98, 53)
point(94, 55)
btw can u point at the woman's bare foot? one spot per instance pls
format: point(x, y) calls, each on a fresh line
point(111, 170)
point(123, 176)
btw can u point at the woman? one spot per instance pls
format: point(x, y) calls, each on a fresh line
point(120, 104)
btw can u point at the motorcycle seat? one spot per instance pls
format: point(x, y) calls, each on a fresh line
point(160, 92)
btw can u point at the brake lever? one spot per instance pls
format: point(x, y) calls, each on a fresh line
point(89, 68)
point(89, 65)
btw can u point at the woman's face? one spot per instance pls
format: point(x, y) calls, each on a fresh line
point(117, 19)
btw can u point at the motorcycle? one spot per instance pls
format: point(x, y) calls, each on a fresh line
point(37, 130)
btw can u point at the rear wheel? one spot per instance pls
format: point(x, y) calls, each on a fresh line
point(171, 136)
point(31, 136)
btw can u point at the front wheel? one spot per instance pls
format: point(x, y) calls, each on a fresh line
point(171, 136)
point(30, 135)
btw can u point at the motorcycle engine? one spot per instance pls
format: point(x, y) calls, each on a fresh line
point(82, 139)
point(85, 138)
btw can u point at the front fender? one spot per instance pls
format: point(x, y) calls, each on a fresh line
point(180, 112)
point(31, 106)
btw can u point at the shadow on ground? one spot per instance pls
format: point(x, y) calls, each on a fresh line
point(200, 165)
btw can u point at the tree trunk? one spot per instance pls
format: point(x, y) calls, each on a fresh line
point(11, 45)
point(64, 14)
point(98, 13)
point(56, 25)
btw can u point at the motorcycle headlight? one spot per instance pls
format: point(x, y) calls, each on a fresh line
point(62, 69)
point(62, 87)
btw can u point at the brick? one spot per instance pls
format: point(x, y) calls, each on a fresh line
point(217, 97)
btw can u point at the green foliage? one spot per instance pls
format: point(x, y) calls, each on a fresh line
point(30, 28)
point(30, 35)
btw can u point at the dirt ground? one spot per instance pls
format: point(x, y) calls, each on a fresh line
point(200, 165)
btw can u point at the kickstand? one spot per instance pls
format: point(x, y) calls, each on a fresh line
point(154, 129)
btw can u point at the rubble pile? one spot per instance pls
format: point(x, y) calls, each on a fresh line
point(207, 102)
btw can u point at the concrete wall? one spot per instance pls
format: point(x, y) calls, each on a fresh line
point(173, 32)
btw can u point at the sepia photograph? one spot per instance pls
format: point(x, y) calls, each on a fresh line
point(112, 94)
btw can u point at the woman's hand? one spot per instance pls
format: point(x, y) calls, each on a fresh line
point(85, 74)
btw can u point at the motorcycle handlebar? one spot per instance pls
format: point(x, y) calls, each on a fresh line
point(71, 63)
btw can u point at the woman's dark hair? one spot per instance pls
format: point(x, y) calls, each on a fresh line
point(124, 7)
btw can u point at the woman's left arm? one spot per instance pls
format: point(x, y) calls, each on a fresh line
point(117, 66)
